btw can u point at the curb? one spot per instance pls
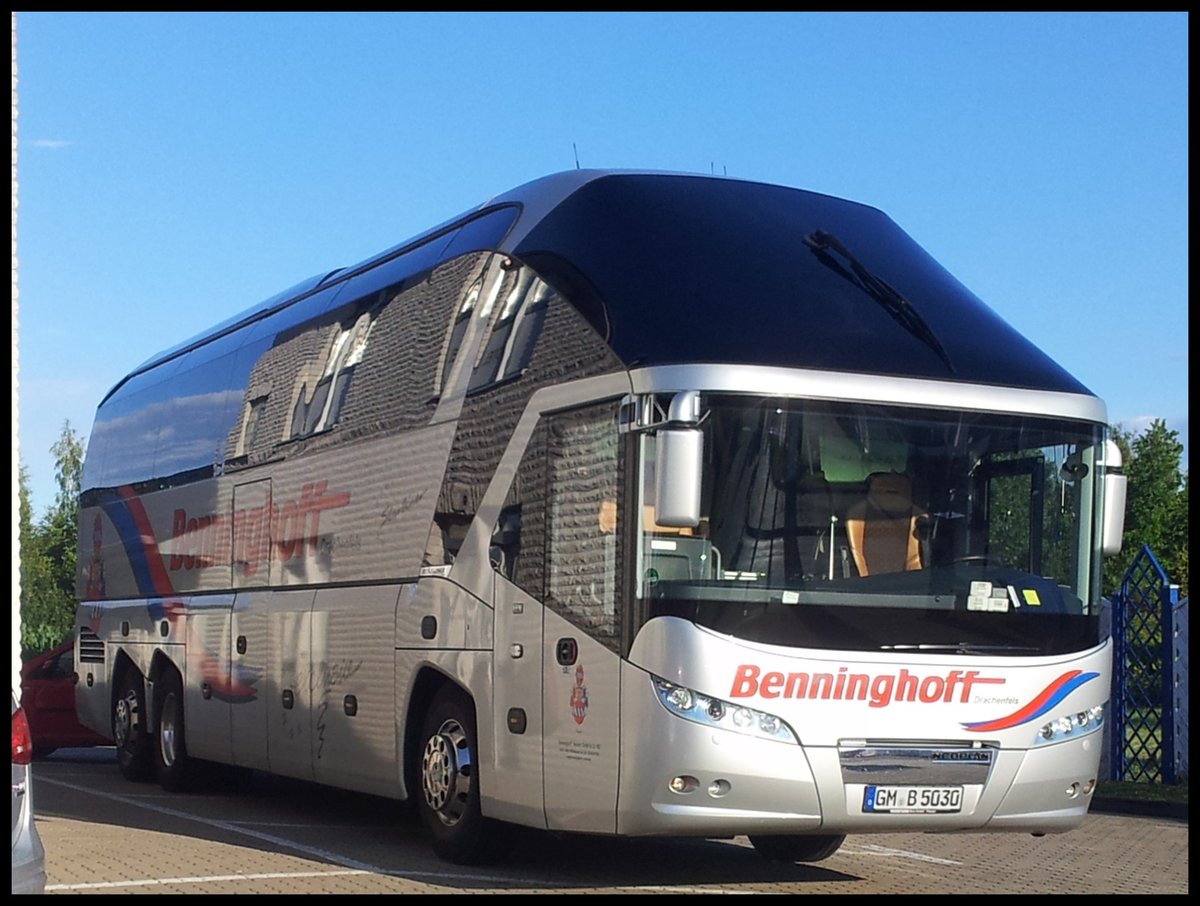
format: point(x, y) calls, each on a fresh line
point(1176, 811)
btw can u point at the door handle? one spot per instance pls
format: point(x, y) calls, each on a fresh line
point(566, 652)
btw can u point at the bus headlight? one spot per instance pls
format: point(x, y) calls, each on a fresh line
point(1070, 726)
point(714, 712)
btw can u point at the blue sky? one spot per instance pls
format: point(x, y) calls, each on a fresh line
point(175, 169)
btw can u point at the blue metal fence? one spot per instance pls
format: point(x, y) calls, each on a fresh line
point(1144, 723)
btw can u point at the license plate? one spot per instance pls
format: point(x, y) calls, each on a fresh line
point(912, 799)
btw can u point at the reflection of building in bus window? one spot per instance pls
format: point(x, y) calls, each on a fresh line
point(321, 409)
point(446, 537)
point(581, 557)
point(458, 330)
point(514, 330)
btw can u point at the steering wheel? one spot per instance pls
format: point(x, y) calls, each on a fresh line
point(982, 559)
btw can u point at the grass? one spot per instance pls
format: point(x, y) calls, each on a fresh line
point(1143, 792)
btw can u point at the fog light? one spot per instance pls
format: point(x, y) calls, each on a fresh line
point(718, 788)
point(1088, 787)
point(683, 784)
point(1073, 790)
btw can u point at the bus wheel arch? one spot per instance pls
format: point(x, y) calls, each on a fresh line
point(424, 687)
point(130, 719)
point(446, 790)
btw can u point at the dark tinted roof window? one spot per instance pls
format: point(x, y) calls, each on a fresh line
point(695, 269)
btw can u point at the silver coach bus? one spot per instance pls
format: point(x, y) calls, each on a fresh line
point(628, 503)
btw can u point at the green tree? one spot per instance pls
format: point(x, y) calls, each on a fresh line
point(60, 527)
point(47, 565)
point(1156, 513)
point(37, 582)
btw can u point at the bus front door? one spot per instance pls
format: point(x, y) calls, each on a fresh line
point(580, 743)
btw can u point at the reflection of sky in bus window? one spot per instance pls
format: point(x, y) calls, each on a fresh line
point(163, 437)
point(195, 435)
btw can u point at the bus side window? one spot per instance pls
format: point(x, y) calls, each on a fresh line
point(506, 542)
point(518, 537)
point(581, 557)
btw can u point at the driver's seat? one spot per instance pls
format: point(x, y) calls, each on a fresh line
point(882, 528)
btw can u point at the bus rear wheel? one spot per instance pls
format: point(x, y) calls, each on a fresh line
point(448, 801)
point(798, 847)
point(131, 736)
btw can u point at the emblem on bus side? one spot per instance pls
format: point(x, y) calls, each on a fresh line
point(579, 696)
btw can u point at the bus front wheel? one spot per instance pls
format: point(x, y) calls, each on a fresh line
point(448, 801)
point(798, 847)
point(131, 736)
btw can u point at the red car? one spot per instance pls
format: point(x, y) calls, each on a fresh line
point(48, 699)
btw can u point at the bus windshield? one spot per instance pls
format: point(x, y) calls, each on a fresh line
point(870, 527)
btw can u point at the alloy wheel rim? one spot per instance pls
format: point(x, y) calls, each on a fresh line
point(126, 719)
point(446, 772)
point(168, 730)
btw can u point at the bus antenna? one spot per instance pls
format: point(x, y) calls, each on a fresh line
point(576, 150)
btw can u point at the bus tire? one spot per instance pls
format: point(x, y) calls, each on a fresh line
point(448, 799)
point(798, 847)
point(131, 736)
point(176, 770)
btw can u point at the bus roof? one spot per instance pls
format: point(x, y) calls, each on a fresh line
point(673, 268)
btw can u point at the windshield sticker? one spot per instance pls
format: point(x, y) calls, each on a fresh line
point(989, 597)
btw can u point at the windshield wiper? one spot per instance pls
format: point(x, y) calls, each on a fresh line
point(879, 290)
point(961, 648)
